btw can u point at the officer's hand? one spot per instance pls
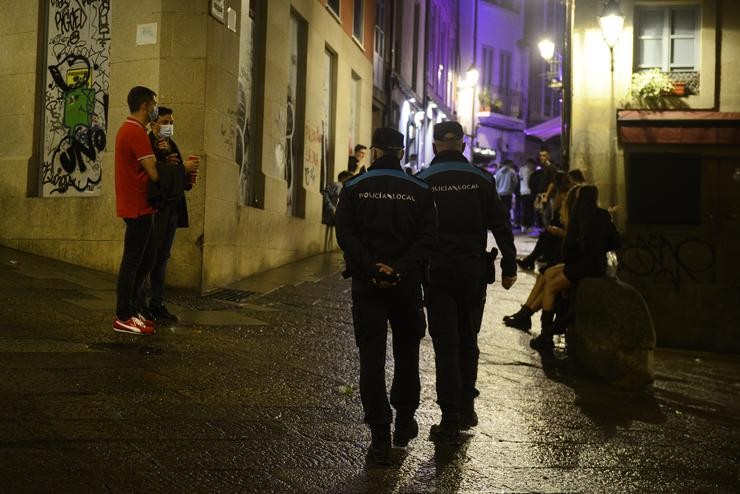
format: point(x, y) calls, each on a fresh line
point(385, 269)
point(163, 145)
point(508, 281)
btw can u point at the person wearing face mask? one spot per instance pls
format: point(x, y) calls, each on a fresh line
point(135, 167)
point(166, 150)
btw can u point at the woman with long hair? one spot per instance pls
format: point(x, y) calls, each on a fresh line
point(523, 318)
point(590, 234)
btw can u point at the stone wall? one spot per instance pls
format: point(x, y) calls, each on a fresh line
point(193, 65)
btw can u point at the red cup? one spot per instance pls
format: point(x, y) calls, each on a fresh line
point(193, 176)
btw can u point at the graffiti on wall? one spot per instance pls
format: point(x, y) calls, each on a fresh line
point(313, 161)
point(655, 256)
point(243, 113)
point(75, 97)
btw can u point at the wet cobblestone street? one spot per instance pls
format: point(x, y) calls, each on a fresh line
point(261, 396)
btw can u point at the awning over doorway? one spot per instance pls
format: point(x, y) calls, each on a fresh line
point(678, 127)
point(546, 130)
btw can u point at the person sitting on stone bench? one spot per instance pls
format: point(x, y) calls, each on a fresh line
point(589, 236)
point(523, 318)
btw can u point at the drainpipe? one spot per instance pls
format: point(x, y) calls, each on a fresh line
point(567, 86)
point(392, 66)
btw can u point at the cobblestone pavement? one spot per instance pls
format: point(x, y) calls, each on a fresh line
point(259, 394)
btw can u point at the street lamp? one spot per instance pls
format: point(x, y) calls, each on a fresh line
point(611, 22)
point(553, 59)
point(547, 49)
point(472, 76)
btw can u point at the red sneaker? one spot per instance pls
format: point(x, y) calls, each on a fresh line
point(132, 326)
point(148, 322)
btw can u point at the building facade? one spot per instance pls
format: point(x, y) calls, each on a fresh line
point(271, 95)
point(668, 154)
point(544, 20)
point(492, 41)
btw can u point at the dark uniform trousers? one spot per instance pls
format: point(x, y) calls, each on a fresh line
point(372, 309)
point(455, 312)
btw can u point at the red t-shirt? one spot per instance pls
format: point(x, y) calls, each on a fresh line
point(132, 146)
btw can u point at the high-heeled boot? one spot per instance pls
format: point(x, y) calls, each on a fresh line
point(544, 340)
point(520, 320)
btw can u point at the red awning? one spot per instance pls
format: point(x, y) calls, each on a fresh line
point(678, 127)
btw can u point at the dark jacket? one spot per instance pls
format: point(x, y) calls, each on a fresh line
point(165, 195)
point(331, 198)
point(585, 255)
point(386, 216)
point(468, 206)
point(183, 221)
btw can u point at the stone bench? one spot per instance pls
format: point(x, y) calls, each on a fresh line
point(613, 335)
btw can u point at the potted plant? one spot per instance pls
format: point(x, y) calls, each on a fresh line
point(485, 101)
point(650, 84)
point(497, 105)
point(679, 88)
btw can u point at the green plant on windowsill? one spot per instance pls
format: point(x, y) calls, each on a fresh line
point(649, 84)
point(485, 101)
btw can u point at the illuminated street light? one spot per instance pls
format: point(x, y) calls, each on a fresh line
point(611, 22)
point(547, 49)
point(472, 76)
point(553, 59)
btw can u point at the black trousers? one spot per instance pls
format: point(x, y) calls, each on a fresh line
point(526, 210)
point(455, 311)
point(372, 309)
point(139, 255)
point(507, 200)
point(163, 252)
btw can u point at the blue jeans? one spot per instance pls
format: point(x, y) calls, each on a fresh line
point(159, 271)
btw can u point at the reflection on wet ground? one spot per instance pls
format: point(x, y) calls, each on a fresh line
point(267, 401)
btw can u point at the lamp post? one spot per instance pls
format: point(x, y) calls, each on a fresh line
point(554, 61)
point(611, 22)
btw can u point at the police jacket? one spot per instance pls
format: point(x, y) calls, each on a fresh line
point(468, 206)
point(386, 216)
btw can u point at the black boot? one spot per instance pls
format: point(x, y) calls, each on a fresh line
point(526, 263)
point(380, 447)
point(544, 341)
point(406, 429)
point(521, 320)
point(468, 417)
point(447, 431)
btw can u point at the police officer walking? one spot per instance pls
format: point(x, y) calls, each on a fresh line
point(386, 224)
point(468, 206)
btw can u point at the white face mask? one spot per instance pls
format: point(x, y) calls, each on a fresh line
point(166, 130)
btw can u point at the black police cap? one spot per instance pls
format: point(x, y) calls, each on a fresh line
point(387, 138)
point(448, 131)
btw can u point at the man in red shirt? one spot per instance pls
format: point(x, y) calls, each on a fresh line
point(135, 166)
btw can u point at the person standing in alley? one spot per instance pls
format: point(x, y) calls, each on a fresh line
point(506, 184)
point(135, 166)
point(354, 163)
point(525, 199)
point(468, 207)
point(386, 224)
point(166, 150)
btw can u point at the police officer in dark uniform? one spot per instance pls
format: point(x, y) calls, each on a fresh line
point(386, 224)
point(468, 207)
